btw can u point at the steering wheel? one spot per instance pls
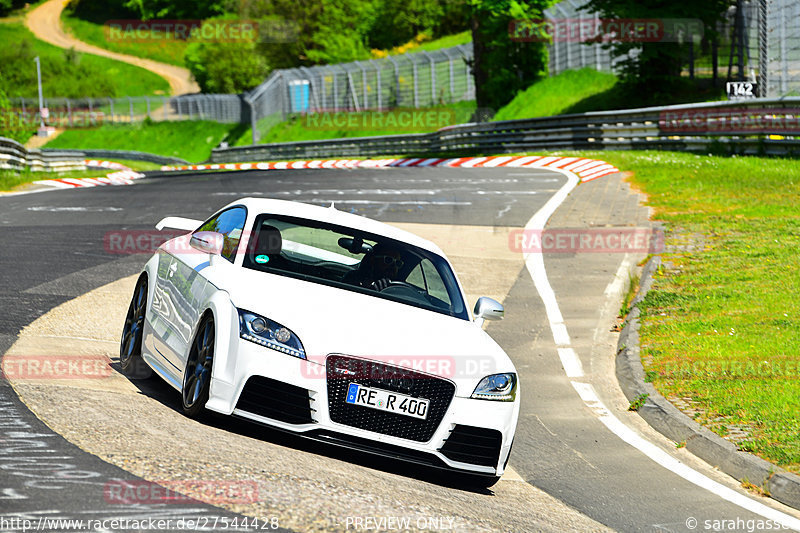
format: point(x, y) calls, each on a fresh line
point(402, 288)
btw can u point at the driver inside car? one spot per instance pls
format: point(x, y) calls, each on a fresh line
point(378, 268)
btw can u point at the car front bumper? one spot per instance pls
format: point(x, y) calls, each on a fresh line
point(473, 435)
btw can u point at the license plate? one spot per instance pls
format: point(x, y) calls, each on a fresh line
point(384, 400)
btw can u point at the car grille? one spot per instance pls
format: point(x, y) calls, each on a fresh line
point(343, 370)
point(277, 400)
point(472, 445)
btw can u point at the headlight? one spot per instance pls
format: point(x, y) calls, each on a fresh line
point(263, 331)
point(499, 387)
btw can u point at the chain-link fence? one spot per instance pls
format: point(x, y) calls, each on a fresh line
point(421, 79)
point(574, 52)
point(92, 112)
point(783, 47)
point(752, 33)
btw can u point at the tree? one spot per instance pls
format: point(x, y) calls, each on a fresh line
point(502, 67)
point(399, 21)
point(324, 31)
point(226, 66)
point(654, 68)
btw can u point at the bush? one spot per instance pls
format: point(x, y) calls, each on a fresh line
point(10, 124)
point(226, 67)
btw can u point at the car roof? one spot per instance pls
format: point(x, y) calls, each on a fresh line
point(332, 215)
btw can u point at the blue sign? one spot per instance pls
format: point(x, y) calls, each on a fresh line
point(352, 391)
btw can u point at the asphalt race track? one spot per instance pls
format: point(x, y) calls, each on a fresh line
point(569, 472)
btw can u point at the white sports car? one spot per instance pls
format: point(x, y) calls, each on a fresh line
point(329, 325)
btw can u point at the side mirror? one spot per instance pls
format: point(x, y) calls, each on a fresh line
point(209, 242)
point(488, 309)
point(180, 223)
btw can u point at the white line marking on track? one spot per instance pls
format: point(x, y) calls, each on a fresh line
point(592, 400)
point(619, 278)
point(571, 362)
point(535, 264)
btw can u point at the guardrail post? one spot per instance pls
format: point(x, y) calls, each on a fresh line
point(433, 77)
point(397, 98)
point(416, 95)
point(378, 83)
point(365, 99)
point(452, 77)
point(784, 62)
point(335, 92)
point(253, 121)
point(763, 58)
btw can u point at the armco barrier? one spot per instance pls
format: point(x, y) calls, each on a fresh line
point(15, 156)
point(128, 155)
point(757, 126)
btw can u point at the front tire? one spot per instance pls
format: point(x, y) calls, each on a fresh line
point(197, 378)
point(130, 346)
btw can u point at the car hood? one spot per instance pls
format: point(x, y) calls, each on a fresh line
point(331, 320)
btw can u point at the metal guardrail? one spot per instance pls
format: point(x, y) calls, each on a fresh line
point(16, 157)
point(757, 126)
point(128, 155)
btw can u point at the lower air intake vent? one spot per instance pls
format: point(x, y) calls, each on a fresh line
point(276, 400)
point(475, 446)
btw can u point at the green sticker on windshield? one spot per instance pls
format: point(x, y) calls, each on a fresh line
point(262, 259)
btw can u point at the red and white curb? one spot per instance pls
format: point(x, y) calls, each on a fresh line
point(585, 169)
point(122, 176)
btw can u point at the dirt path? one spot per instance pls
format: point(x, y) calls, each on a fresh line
point(45, 23)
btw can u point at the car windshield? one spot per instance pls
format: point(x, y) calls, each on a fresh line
point(356, 261)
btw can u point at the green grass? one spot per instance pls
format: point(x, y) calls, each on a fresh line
point(583, 90)
point(448, 41)
point(419, 44)
point(358, 124)
point(557, 94)
point(12, 180)
point(190, 140)
point(720, 326)
point(66, 73)
point(95, 32)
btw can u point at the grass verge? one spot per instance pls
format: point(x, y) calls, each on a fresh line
point(336, 125)
point(11, 180)
point(189, 140)
point(583, 90)
point(556, 94)
point(170, 51)
point(719, 328)
point(66, 73)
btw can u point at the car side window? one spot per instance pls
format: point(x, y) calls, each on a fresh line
point(230, 223)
